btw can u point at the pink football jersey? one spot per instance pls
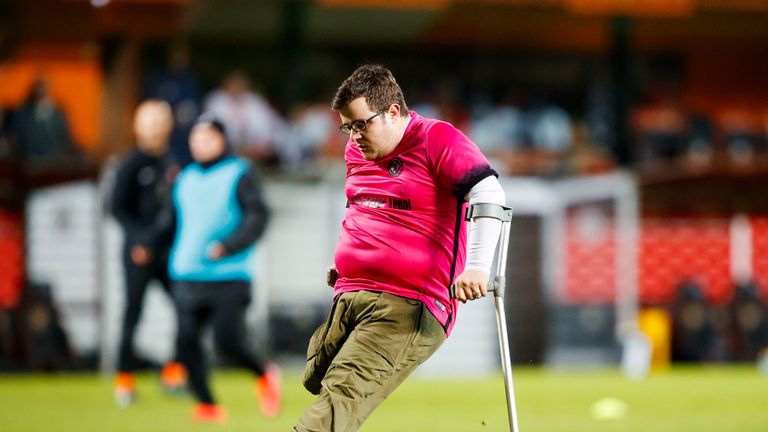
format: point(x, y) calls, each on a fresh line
point(404, 231)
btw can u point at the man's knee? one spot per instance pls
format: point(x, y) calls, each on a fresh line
point(228, 345)
point(187, 339)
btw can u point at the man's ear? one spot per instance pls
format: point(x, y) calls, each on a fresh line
point(394, 110)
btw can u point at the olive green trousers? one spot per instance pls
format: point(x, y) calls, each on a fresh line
point(368, 346)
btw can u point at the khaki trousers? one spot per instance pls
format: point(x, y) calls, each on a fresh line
point(368, 346)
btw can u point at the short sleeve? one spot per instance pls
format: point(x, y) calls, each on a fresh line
point(456, 161)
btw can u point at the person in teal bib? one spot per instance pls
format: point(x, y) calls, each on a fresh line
point(219, 215)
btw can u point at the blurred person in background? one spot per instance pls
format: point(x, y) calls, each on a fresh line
point(218, 216)
point(534, 142)
point(748, 324)
point(584, 157)
point(178, 85)
point(741, 130)
point(141, 191)
point(662, 129)
point(312, 135)
point(42, 133)
point(701, 143)
point(401, 246)
point(498, 131)
point(548, 129)
point(253, 127)
point(692, 331)
point(44, 343)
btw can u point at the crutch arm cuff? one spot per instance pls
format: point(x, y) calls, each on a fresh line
point(489, 210)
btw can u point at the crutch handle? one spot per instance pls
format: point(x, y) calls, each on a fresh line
point(496, 286)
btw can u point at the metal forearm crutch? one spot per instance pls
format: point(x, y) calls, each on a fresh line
point(504, 214)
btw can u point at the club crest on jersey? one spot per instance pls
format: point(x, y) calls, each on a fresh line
point(395, 167)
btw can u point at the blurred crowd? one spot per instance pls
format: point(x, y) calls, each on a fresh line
point(524, 134)
point(670, 133)
point(526, 130)
point(540, 140)
point(256, 129)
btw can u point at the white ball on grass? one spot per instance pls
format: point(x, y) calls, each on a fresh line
point(609, 409)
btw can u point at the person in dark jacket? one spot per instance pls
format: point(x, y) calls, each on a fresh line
point(142, 189)
point(43, 133)
point(218, 216)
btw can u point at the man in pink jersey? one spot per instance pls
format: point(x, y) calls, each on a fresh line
point(402, 245)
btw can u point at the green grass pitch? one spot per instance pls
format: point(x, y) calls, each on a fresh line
point(695, 399)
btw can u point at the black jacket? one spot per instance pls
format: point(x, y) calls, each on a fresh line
point(141, 193)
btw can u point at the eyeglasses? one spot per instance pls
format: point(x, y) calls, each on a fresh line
point(358, 125)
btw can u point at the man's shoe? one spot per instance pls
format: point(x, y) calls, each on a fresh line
point(173, 377)
point(269, 392)
point(125, 389)
point(209, 413)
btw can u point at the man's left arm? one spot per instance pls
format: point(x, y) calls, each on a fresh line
point(464, 170)
point(255, 217)
point(482, 239)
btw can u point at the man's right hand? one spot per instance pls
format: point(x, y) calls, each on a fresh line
point(331, 276)
point(141, 255)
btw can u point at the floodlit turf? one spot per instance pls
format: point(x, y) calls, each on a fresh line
point(700, 399)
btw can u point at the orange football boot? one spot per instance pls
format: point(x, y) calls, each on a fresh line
point(269, 392)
